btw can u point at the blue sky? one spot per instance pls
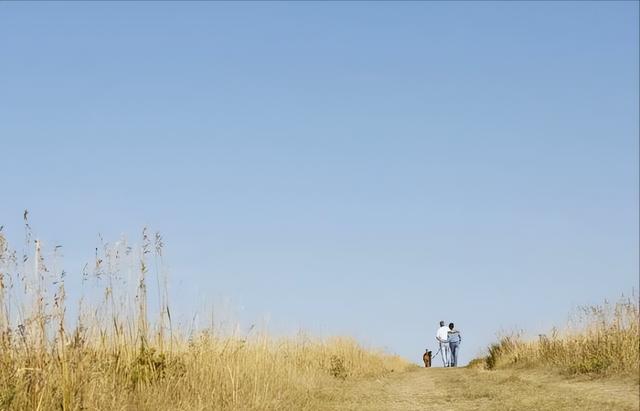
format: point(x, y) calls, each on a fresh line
point(346, 168)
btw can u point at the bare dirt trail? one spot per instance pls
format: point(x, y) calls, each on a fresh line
point(466, 389)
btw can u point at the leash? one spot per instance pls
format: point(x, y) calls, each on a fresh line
point(440, 344)
point(436, 354)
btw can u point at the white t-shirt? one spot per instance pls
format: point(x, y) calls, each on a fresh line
point(442, 333)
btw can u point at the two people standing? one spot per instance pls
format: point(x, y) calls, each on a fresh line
point(449, 339)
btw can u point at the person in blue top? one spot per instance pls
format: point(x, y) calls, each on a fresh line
point(454, 339)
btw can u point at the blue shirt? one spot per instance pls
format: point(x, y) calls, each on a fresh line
point(454, 336)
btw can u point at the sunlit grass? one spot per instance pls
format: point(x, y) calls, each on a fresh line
point(600, 340)
point(111, 355)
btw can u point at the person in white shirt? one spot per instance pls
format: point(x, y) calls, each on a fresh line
point(442, 337)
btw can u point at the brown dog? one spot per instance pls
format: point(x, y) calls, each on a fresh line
point(426, 357)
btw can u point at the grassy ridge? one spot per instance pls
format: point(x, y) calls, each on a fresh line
point(207, 373)
point(114, 356)
point(602, 340)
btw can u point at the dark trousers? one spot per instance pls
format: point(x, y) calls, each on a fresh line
point(453, 353)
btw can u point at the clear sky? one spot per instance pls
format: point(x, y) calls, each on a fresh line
point(347, 168)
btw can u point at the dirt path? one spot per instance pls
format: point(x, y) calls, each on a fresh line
point(464, 389)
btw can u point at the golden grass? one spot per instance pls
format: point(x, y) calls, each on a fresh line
point(114, 358)
point(207, 373)
point(601, 340)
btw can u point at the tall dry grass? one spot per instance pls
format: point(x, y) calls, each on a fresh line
point(111, 355)
point(599, 340)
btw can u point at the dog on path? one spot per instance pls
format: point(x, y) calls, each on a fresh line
point(426, 357)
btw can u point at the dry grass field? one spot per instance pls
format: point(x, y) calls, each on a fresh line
point(121, 351)
point(207, 373)
point(601, 341)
